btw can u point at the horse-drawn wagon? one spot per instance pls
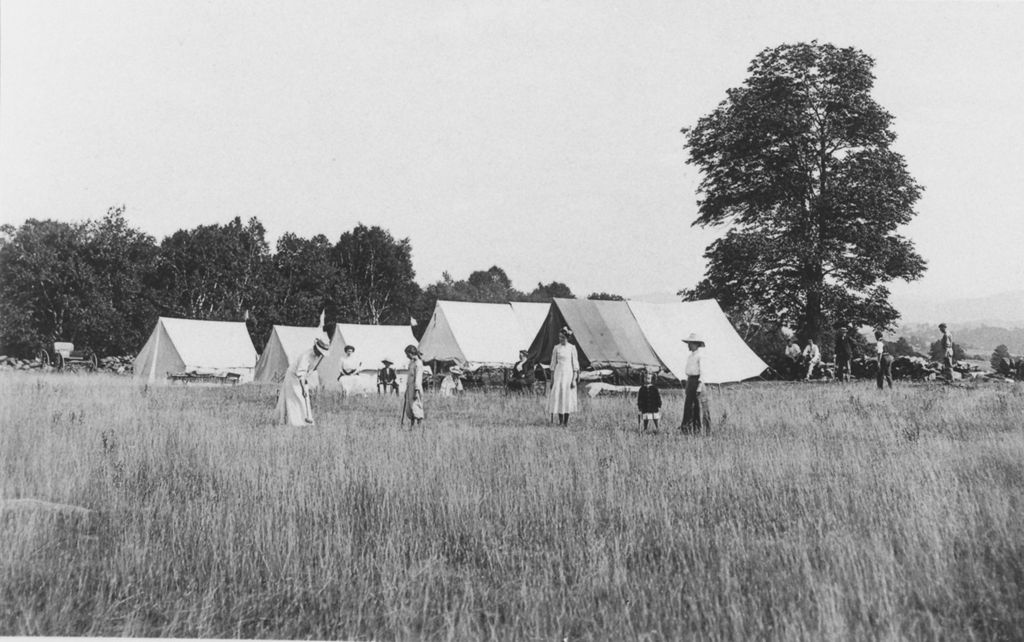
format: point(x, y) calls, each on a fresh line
point(65, 357)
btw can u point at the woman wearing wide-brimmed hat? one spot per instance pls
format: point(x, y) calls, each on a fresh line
point(293, 405)
point(696, 417)
point(565, 374)
point(414, 386)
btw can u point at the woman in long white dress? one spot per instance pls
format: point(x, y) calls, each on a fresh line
point(293, 407)
point(414, 386)
point(348, 376)
point(565, 374)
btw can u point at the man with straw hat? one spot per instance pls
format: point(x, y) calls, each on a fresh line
point(696, 417)
point(293, 404)
point(387, 378)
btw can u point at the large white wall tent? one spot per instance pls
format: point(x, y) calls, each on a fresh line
point(285, 345)
point(372, 344)
point(618, 334)
point(178, 346)
point(726, 358)
point(481, 334)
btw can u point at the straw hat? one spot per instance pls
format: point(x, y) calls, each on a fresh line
point(387, 362)
point(321, 346)
point(694, 338)
point(349, 349)
point(455, 370)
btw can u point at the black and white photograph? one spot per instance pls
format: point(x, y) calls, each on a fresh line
point(539, 320)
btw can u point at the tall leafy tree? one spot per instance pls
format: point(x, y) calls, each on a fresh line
point(797, 168)
point(216, 272)
point(380, 275)
point(604, 296)
point(307, 280)
point(544, 292)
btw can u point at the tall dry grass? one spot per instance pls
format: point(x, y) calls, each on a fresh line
point(811, 512)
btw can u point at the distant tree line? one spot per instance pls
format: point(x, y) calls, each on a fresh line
point(102, 284)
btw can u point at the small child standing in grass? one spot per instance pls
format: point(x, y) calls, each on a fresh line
point(648, 401)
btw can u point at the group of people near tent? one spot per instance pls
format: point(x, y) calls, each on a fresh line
point(293, 406)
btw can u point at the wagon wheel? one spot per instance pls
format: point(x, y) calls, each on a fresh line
point(43, 357)
point(92, 362)
point(60, 361)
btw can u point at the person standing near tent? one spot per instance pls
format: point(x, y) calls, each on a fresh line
point(648, 401)
point(812, 357)
point(696, 416)
point(885, 360)
point(565, 374)
point(293, 404)
point(792, 358)
point(348, 376)
point(413, 408)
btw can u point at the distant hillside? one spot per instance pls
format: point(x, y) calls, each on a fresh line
point(1000, 310)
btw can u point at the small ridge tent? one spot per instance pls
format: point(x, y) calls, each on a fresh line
point(480, 334)
point(201, 348)
point(285, 344)
point(372, 343)
point(726, 358)
point(605, 333)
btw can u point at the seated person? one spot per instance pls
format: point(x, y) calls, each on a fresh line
point(452, 382)
point(523, 376)
point(387, 378)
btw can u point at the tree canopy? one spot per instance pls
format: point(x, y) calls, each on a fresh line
point(797, 170)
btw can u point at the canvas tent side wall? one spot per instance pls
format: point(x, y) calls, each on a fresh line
point(283, 347)
point(190, 345)
point(726, 357)
point(372, 343)
point(477, 334)
point(605, 333)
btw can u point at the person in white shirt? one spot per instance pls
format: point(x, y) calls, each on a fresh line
point(792, 355)
point(349, 373)
point(696, 417)
point(293, 406)
point(812, 357)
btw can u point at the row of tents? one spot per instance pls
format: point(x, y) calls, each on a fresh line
point(608, 334)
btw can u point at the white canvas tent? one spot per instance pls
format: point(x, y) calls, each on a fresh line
point(481, 334)
point(372, 343)
point(179, 346)
point(726, 358)
point(283, 347)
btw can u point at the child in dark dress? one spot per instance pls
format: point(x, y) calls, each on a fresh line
point(648, 401)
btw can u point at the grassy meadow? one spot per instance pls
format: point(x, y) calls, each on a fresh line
point(811, 512)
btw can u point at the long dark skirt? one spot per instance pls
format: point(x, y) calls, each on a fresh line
point(696, 416)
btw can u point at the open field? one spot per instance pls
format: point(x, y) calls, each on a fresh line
point(812, 512)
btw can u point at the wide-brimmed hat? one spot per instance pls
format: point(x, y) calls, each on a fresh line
point(350, 348)
point(387, 362)
point(321, 346)
point(565, 330)
point(694, 338)
point(455, 370)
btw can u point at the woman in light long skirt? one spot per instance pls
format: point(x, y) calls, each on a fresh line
point(293, 407)
point(414, 386)
point(565, 375)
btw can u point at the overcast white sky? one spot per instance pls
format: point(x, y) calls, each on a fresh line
point(539, 136)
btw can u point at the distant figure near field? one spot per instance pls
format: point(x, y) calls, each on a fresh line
point(387, 378)
point(696, 415)
point(349, 373)
point(792, 358)
point(844, 355)
point(414, 386)
point(522, 377)
point(884, 362)
point(648, 401)
point(565, 373)
point(293, 404)
point(947, 353)
point(451, 384)
point(812, 357)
